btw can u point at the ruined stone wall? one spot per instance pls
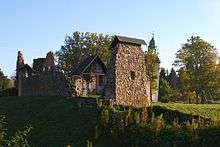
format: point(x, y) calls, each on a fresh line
point(77, 81)
point(109, 91)
point(83, 87)
point(51, 83)
point(127, 83)
point(39, 65)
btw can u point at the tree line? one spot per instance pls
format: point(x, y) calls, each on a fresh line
point(197, 77)
point(195, 80)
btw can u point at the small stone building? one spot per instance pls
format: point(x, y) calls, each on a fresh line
point(89, 77)
point(127, 83)
point(42, 80)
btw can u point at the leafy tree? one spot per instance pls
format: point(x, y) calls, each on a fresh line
point(4, 82)
point(185, 88)
point(80, 45)
point(152, 66)
point(197, 61)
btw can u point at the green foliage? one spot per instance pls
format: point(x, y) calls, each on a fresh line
point(152, 66)
point(157, 132)
point(165, 91)
point(198, 69)
point(168, 90)
point(80, 45)
point(2, 130)
point(173, 79)
point(4, 82)
point(18, 140)
point(59, 122)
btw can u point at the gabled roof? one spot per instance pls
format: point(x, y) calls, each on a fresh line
point(86, 63)
point(125, 39)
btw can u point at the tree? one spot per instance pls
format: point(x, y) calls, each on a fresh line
point(173, 79)
point(167, 91)
point(4, 82)
point(197, 61)
point(152, 66)
point(185, 87)
point(164, 87)
point(80, 45)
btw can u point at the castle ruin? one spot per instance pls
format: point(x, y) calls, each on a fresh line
point(122, 82)
point(43, 79)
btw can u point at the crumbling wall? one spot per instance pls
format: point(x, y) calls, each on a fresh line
point(51, 83)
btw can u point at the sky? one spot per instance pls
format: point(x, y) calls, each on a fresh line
point(38, 26)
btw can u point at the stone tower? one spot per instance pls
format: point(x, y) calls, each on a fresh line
point(20, 60)
point(19, 64)
point(50, 65)
point(127, 83)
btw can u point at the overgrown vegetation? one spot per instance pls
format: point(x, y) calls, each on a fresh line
point(56, 121)
point(18, 140)
point(60, 122)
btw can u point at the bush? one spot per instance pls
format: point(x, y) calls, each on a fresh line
point(18, 140)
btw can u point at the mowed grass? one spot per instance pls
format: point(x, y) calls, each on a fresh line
point(56, 121)
point(205, 110)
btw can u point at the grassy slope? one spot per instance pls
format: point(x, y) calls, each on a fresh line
point(55, 121)
point(205, 110)
point(58, 121)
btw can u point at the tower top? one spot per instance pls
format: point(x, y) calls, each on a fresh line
point(20, 59)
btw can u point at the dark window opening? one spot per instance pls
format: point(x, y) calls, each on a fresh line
point(101, 80)
point(132, 75)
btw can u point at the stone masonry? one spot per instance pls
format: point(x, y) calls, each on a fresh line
point(127, 83)
point(44, 79)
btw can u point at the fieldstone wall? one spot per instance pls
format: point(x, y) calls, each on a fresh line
point(77, 82)
point(83, 86)
point(50, 83)
point(127, 83)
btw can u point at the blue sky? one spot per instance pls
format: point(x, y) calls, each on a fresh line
point(38, 26)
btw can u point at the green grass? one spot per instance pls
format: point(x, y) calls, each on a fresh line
point(205, 110)
point(95, 96)
point(55, 121)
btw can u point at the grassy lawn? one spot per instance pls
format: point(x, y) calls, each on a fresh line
point(56, 121)
point(204, 110)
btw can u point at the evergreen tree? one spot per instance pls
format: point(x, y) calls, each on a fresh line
point(164, 87)
point(152, 66)
point(152, 46)
point(168, 90)
point(173, 79)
